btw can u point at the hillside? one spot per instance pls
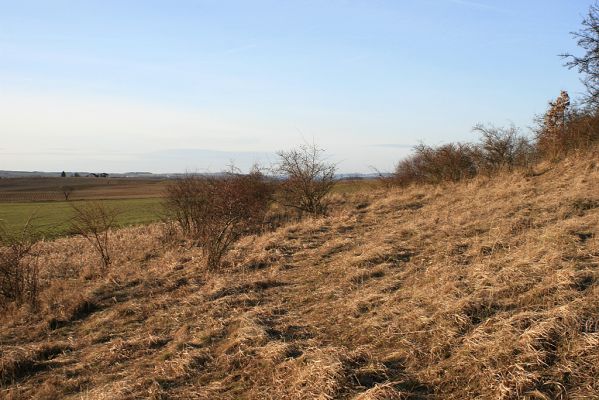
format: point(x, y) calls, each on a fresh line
point(484, 289)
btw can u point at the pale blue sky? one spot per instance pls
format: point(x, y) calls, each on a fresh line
point(168, 86)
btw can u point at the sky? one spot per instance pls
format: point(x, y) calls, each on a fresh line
point(194, 85)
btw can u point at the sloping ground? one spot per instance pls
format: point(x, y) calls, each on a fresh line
point(486, 289)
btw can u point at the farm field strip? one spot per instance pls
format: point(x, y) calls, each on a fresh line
point(53, 217)
point(138, 201)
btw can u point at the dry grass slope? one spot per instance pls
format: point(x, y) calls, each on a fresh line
point(485, 289)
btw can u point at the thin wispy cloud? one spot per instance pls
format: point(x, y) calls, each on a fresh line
point(238, 49)
point(355, 58)
point(363, 80)
point(478, 5)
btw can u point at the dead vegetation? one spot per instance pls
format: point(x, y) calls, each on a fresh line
point(566, 128)
point(19, 281)
point(94, 221)
point(307, 179)
point(216, 211)
point(498, 150)
point(563, 130)
point(479, 289)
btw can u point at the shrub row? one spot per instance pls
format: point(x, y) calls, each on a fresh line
point(216, 211)
point(498, 149)
point(561, 131)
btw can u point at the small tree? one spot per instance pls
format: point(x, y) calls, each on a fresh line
point(94, 221)
point(308, 178)
point(67, 191)
point(553, 134)
point(588, 63)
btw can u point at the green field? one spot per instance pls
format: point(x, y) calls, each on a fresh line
point(52, 218)
point(137, 201)
point(350, 186)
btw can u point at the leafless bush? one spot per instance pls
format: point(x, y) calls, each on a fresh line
point(582, 129)
point(94, 221)
point(19, 281)
point(502, 149)
point(450, 162)
point(386, 180)
point(185, 202)
point(308, 178)
point(217, 211)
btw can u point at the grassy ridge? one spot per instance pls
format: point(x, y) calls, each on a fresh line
point(52, 217)
point(485, 289)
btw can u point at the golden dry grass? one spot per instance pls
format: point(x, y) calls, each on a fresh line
point(485, 289)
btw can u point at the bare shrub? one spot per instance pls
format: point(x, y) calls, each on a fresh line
point(186, 202)
point(94, 221)
point(502, 149)
point(409, 170)
point(447, 163)
point(498, 149)
point(217, 211)
point(386, 180)
point(308, 178)
point(582, 129)
point(19, 280)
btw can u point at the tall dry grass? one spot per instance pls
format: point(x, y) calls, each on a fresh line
point(485, 289)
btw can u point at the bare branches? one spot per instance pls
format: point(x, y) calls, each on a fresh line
point(588, 63)
point(450, 162)
point(94, 221)
point(308, 178)
point(502, 149)
point(387, 180)
point(498, 149)
point(217, 211)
